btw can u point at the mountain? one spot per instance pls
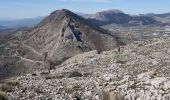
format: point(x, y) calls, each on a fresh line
point(64, 34)
point(28, 22)
point(164, 18)
point(119, 18)
point(158, 15)
point(143, 20)
point(58, 37)
point(2, 28)
point(110, 17)
point(84, 15)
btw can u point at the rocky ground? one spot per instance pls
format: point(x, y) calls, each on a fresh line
point(140, 71)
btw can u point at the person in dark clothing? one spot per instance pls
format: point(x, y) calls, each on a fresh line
point(45, 56)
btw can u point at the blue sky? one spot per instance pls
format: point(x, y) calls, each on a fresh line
point(17, 9)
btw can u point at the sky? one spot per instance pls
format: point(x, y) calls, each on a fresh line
point(19, 9)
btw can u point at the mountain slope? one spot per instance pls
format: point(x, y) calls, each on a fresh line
point(1, 27)
point(64, 34)
point(164, 18)
point(110, 17)
point(119, 18)
point(140, 70)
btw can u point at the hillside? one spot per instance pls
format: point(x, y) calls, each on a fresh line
point(140, 70)
point(164, 18)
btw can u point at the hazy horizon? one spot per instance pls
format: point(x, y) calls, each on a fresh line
point(21, 9)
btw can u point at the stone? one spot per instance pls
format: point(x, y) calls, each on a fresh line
point(112, 96)
point(75, 74)
point(156, 82)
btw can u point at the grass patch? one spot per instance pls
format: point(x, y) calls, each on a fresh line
point(3, 96)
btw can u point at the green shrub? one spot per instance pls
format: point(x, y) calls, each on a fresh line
point(2, 96)
point(8, 86)
point(12, 83)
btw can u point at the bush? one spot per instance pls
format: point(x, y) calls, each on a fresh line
point(2, 96)
point(12, 83)
point(75, 74)
point(8, 86)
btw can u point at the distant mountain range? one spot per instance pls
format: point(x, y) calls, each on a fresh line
point(164, 18)
point(29, 22)
point(119, 18)
point(2, 27)
point(103, 18)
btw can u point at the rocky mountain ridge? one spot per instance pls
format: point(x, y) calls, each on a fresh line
point(119, 18)
point(164, 18)
point(58, 37)
point(64, 34)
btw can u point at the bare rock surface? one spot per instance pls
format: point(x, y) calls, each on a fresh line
point(139, 72)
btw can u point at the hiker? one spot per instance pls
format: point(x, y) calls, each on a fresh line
point(119, 48)
point(45, 56)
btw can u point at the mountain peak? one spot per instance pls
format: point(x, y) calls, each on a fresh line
point(59, 15)
point(112, 15)
point(63, 12)
point(60, 11)
point(114, 11)
point(64, 34)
